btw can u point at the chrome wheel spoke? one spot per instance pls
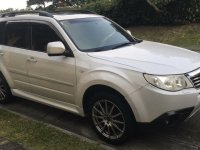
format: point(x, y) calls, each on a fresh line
point(101, 108)
point(99, 123)
point(98, 111)
point(106, 105)
point(108, 119)
point(116, 115)
point(117, 121)
point(99, 117)
point(2, 94)
point(113, 130)
point(117, 127)
point(4, 91)
point(109, 134)
point(102, 129)
point(111, 110)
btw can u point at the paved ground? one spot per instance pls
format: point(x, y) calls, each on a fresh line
point(8, 145)
point(184, 136)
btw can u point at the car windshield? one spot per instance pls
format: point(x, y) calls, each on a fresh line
point(96, 34)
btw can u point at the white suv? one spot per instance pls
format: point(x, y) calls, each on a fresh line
point(88, 65)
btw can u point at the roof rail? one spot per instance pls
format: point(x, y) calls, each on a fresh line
point(73, 11)
point(14, 13)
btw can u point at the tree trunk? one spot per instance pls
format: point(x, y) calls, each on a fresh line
point(44, 5)
point(153, 6)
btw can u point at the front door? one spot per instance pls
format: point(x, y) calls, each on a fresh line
point(50, 77)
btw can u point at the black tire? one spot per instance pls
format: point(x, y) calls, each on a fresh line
point(5, 93)
point(117, 124)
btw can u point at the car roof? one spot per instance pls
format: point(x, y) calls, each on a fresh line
point(72, 14)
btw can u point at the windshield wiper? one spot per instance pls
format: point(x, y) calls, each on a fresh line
point(124, 44)
point(106, 48)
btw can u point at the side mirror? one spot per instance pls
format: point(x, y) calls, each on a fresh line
point(129, 32)
point(55, 49)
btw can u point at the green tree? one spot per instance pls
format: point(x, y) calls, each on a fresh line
point(38, 2)
point(126, 12)
point(55, 3)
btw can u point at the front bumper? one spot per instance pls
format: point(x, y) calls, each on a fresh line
point(150, 103)
point(174, 116)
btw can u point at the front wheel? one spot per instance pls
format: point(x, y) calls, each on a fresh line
point(111, 117)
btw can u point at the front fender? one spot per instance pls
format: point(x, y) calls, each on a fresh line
point(114, 78)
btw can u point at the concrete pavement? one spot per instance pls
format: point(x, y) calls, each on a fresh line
point(180, 137)
point(8, 145)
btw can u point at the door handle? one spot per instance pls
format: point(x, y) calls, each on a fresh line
point(32, 59)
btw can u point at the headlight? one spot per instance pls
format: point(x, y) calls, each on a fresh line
point(170, 83)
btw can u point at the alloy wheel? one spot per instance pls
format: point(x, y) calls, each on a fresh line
point(108, 119)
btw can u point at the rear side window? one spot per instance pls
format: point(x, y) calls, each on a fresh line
point(1, 32)
point(42, 34)
point(17, 35)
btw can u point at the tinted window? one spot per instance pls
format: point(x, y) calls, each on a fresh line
point(41, 35)
point(2, 24)
point(17, 35)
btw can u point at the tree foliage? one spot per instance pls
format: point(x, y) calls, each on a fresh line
point(145, 12)
point(38, 2)
point(125, 12)
point(134, 12)
point(56, 3)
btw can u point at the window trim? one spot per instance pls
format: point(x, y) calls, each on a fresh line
point(70, 54)
point(55, 30)
point(5, 33)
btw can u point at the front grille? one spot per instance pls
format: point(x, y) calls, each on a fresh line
point(195, 78)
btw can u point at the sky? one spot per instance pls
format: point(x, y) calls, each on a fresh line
point(16, 4)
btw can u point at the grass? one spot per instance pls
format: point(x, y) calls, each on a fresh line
point(187, 36)
point(37, 136)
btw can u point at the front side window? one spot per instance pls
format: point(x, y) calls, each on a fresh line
point(17, 35)
point(42, 34)
point(93, 34)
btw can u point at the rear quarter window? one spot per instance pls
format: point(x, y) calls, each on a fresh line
point(2, 24)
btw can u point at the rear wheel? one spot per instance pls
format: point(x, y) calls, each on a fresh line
point(111, 117)
point(5, 93)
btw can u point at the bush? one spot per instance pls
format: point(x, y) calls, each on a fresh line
point(143, 12)
point(126, 13)
point(184, 11)
point(179, 11)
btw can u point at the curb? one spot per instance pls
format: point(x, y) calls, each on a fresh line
point(82, 138)
point(6, 144)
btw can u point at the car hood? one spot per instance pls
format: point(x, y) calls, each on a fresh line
point(153, 58)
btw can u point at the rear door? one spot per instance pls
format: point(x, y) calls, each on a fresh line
point(14, 53)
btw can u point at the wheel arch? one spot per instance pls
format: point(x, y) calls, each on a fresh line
point(98, 87)
point(113, 79)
